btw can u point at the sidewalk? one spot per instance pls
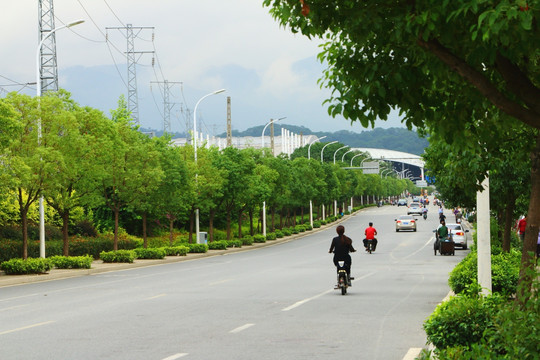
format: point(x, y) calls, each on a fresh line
point(98, 266)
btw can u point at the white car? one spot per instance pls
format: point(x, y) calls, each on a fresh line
point(405, 222)
point(414, 209)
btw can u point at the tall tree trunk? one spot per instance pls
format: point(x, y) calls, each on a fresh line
point(191, 224)
point(302, 213)
point(527, 272)
point(211, 224)
point(116, 222)
point(65, 235)
point(240, 224)
point(508, 222)
point(24, 219)
point(145, 238)
point(171, 229)
point(294, 217)
point(251, 231)
point(281, 218)
point(229, 224)
point(273, 219)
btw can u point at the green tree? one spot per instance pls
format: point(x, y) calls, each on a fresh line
point(25, 164)
point(170, 196)
point(447, 64)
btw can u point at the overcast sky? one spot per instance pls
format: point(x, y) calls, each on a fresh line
point(204, 44)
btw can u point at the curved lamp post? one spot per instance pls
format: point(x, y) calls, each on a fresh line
point(335, 152)
point(38, 86)
point(346, 152)
point(356, 156)
point(309, 147)
point(270, 122)
point(322, 150)
point(195, 151)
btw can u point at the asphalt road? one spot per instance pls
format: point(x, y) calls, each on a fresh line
point(276, 302)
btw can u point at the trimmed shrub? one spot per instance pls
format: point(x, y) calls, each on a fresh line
point(461, 321)
point(286, 231)
point(316, 224)
point(198, 248)
point(293, 230)
point(72, 262)
point(271, 236)
point(308, 227)
point(299, 228)
point(28, 266)
point(118, 256)
point(279, 233)
point(234, 243)
point(323, 222)
point(504, 272)
point(218, 245)
point(150, 253)
point(248, 240)
point(259, 238)
point(176, 250)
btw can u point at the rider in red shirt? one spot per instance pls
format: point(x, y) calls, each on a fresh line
point(370, 235)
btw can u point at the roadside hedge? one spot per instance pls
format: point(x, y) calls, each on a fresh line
point(118, 256)
point(504, 272)
point(78, 246)
point(28, 266)
point(461, 320)
point(72, 262)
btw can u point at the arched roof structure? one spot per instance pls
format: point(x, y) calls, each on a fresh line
point(392, 155)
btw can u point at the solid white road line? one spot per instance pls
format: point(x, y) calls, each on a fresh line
point(175, 356)
point(241, 328)
point(25, 327)
point(157, 296)
point(412, 353)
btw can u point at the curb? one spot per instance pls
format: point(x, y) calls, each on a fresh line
point(98, 266)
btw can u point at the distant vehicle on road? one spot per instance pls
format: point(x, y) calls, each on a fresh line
point(414, 209)
point(405, 222)
point(416, 199)
point(402, 202)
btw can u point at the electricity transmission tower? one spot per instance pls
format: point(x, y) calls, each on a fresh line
point(131, 33)
point(167, 105)
point(48, 69)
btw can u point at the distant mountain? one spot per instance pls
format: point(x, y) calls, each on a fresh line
point(399, 139)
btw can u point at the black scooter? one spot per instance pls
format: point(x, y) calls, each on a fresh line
point(343, 279)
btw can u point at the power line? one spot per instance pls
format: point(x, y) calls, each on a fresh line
point(120, 21)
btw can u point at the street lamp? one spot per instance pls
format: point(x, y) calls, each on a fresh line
point(346, 152)
point(322, 150)
point(309, 147)
point(335, 152)
point(195, 150)
point(356, 156)
point(271, 121)
point(38, 94)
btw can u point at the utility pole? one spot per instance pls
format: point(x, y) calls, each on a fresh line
point(131, 33)
point(229, 126)
point(48, 69)
point(167, 106)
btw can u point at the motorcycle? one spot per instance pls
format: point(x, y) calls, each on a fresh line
point(343, 279)
point(370, 246)
point(425, 216)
